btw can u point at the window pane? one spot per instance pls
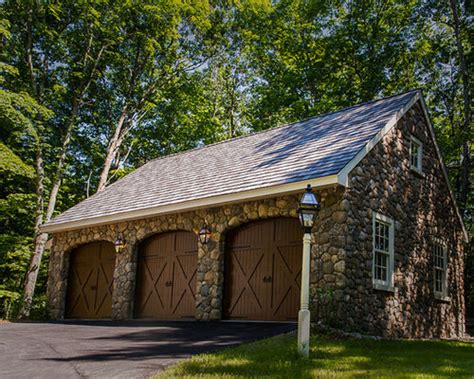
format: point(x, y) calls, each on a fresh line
point(415, 155)
point(381, 263)
point(381, 236)
point(440, 265)
point(438, 256)
point(438, 280)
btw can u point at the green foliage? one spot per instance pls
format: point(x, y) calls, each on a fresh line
point(12, 165)
point(7, 300)
point(324, 306)
point(14, 259)
point(16, 232)
point(15, 212)
point(14, 172)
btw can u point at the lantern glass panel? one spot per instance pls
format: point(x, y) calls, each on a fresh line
point(204, 235)
point(308, 209)
point(307, 218)
point(308, 198)
point(119, 244)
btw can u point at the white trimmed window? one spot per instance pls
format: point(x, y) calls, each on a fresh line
point(416, 154)
point(440, 269)
point(383, 252)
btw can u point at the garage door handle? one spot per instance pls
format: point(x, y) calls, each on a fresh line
point(93, 288)
point(168, 284)
point(267, 279)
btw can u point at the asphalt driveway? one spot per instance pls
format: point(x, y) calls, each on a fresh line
point(108, 349)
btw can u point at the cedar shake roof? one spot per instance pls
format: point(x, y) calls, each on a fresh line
point(314, 148)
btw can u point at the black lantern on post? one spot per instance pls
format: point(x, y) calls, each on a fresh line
point(204, 235)
point(308, 209)
point(119, 244)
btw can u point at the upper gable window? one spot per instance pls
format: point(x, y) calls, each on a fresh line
point(416, 154)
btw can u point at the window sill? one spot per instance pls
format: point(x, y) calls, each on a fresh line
point(417, 171)
point(384, 287)
point(440, 297)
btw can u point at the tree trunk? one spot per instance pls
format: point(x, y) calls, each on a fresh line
point(32, 273)
point(39, 185)
point(42, 238)
point(114, 145)
point(61, 163)
point(465, 129)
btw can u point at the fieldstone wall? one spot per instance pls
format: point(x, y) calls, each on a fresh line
point(210, 271)
point(328, 263)
point(422, 210)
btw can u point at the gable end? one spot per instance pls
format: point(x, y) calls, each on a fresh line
point(344, 174)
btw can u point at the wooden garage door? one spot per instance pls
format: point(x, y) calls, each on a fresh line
point(166, 276)
point(90, 284)
point(263, 270)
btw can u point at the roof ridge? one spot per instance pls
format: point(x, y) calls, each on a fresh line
point(346, 108)
point(277, 127)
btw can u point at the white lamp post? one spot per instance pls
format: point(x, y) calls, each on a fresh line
point(307, 211)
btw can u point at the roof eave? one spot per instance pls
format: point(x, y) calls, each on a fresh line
point(184, 206)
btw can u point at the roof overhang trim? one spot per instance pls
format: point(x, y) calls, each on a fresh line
point(253, 194)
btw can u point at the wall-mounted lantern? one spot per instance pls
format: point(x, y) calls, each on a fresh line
point(204, 234)
point(119, 244)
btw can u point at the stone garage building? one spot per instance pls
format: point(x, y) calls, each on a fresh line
point(387, 253)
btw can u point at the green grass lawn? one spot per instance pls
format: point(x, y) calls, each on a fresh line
point(334, 358)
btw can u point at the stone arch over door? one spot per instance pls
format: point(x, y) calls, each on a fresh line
point(90, 281)
point(166, 276)
point(262, 270)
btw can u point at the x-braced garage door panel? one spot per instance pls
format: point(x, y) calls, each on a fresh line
point(166, 276)
point(90, 283)
point(263, 270)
